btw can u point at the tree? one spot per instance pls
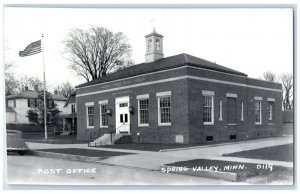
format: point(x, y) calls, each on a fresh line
point(97, 51)
point(36, 114)
point(269, 76)
point(10, 81)
point(287, 83)
point(64, 89)
point(29, 83)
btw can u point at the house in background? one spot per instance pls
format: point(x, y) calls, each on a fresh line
point(17, 106)
point(70, 115)
point(178, 99)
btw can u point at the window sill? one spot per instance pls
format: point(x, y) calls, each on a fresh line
point(208, 123)
point(164, 124)
point(258, 123)
point(103, 126)
point(220, 119)
point(232, 124)
point(271, 123)
point(91, 127)
point(143, 125)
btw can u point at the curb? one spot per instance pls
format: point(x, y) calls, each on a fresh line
point(66, 156)
point(228, 176)
point(213, 145)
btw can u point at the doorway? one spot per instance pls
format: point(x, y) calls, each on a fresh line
point(122, 115)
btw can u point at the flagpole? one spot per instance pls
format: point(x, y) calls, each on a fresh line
point(45, 103)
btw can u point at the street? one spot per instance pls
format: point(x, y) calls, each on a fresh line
point(140, 168)
point(38, 170)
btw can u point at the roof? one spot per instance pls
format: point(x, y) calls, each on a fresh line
point(69, 116)
point(154, 33)
point(33, 94)
point(162, 64)
point(71, 99)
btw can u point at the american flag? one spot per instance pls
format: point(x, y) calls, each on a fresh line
point(32, 49)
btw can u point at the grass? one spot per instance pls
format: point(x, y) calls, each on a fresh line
point(148, 146)
point(243, 170)
point(279, 153)
point(39, 137)
point(85, 152)
point(156, 147)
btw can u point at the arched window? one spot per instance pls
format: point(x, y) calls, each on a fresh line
point(157, 43)
point(149, 45)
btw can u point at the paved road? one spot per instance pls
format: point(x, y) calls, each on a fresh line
point(27, 170)
point(136, 169)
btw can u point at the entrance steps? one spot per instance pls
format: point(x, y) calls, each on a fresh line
point(108, 139)
point(66, 133)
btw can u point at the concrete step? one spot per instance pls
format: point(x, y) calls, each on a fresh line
point(106, 139)
point(65, 133)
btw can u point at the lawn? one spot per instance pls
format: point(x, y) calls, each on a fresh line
point(85, 152)
point(148, 146)
point(279, 153)
point(243, 170)
point(156, 147)
point(39, 137)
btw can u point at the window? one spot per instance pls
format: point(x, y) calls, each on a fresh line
point(208, 110)
point(11, 103)
point(157, 43)
point(90, 116)
point(258, 112)
point(32, 103)
point(73, 108)
point(103, 116)
point(32, 116)
point(123, 118)
point(209, 138)
point(220, 110)
point(143, 105)
point(271, 111)
point(51, 103)
point(164, 110)
point(122, 105)
point(149, 45)
point(242, 111)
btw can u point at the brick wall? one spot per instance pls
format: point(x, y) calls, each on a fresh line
point(186, 107)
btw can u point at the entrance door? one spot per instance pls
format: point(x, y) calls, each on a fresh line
point(122, 115)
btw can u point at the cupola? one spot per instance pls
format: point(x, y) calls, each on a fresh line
point(154, 46)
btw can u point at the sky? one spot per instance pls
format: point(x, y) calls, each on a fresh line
point(252, 41)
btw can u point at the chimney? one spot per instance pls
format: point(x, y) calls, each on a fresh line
point(55, 92)
point(26, 88)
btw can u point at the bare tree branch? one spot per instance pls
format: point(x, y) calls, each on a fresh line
point(96, 52)
point(287, 83)
point(271, 77)
point(64, 89)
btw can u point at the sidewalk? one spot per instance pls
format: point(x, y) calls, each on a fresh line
point(152, 160)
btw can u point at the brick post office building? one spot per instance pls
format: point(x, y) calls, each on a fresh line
point(178, 99)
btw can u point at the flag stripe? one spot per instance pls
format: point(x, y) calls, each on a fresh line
point(32, 49)
point(24, 54)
